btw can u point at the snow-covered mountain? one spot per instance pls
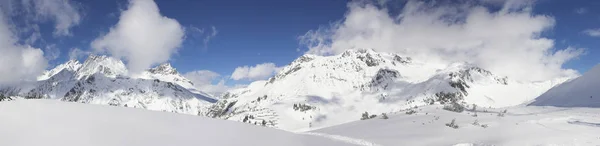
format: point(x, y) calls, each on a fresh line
point(71, 65)
point(579, 92)
point(105, 80)
point(320, 91)
point(165, 72)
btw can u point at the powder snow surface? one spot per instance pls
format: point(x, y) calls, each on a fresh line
point(520, 126)
point(583, 91)
point(56, 123)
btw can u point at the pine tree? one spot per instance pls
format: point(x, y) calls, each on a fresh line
point(384, 116)
point(365, 116)
point(452, 124)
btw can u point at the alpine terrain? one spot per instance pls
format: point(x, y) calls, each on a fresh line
point(579, 92)
point(51, 122)
point(321, 91)
point(105, 80)
point(324, 99)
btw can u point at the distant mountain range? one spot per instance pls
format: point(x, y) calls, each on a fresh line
point(311, 92)
point(104, 80)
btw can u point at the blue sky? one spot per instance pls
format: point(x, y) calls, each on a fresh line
point(572, 18)
point(255, 32)
point(249, 33)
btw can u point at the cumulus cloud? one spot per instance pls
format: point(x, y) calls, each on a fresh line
point(203, 81)
point(592, 32)
point(65, 13)
point(142, 36)
point(18, 62)
point(258, 72)
point(507, 41)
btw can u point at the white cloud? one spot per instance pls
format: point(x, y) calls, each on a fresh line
point(506, 41)
point(142, 36)
point(196, 30)
point(258, 72)
point(51, 52)
point(201, 77)
point(581, 10)
point(195, 34)
point(65, 13)
point(18, 62)
point(210, 36)
point(77, 53)
point(592, 32)
point(203, 81)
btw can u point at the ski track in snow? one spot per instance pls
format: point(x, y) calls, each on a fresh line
point(350, 140)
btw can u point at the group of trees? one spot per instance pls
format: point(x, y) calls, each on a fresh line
point(455, 107)
point(452, 124)
point(3, 98)
point(302, 107)
point(501, 114)
point(366, 116)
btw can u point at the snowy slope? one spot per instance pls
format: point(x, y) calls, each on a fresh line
point(105, 80)
point(54, 123)
point(71, 65)
point(108, 66)
point(522, 126)
point(165, 72)
point(320, 91)
point(580, 92)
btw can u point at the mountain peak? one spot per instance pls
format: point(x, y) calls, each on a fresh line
point(111, 67)
point(164, 68)
point(351, 52)
point(72, 61)
point(71, 65)
point(94, 57)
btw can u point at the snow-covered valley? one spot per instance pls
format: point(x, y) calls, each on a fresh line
point(55, 123)
point(52, 122)
point(519, 126)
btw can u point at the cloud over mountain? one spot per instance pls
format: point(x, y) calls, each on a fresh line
point(19, 62)
point(142, 36)
point(506, 41)
point(257, 72)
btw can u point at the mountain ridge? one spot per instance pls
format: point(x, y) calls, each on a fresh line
point(105, 80)
point(320, 91)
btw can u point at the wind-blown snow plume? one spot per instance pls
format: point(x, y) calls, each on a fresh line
point(142, 36)
point(258, 72)
point(18, 62)
point(507, 41)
